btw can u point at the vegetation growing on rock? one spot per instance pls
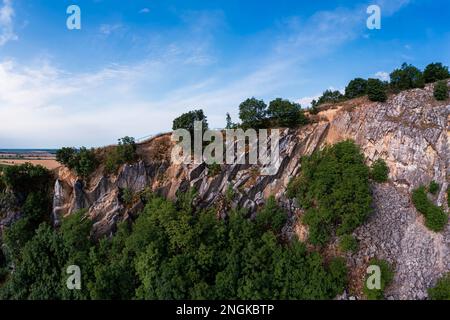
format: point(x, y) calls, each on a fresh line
point(435, 217)
point(441, 90)
point(441, 291)
point(83, 161)
point(124, 152)
point(348, 243)
point(333, 188)
point(387, 274)
point(379, 171)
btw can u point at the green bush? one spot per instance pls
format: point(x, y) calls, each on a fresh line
point(83, 160)
point(387, 275)
point(356, 88)
point(435, 71)
point(348, 243)
point(124, 152)
point(441, 90)
point(433, 188)
point(379, 171)
point(376, 90)
point(127, 196)
point(441, 291)
point(435, 217)
point(333, 188)
point(407, 77)
point(286, 113)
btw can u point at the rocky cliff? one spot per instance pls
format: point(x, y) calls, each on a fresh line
point(409, 131)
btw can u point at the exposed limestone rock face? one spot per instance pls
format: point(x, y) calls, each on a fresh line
point(409, 131)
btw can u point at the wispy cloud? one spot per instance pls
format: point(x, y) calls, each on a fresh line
point(6, 23)
point(382, 75)
point(44, 106)
point(108, 29)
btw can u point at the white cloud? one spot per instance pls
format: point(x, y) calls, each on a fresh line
point(6, 23)
point(306, 101)
point(144, 10)
point(382, 75)
point(107, 29)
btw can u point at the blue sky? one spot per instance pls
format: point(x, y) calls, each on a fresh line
point(136, 65)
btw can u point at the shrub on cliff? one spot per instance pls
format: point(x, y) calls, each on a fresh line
point(386, 277)
point(376, 90)
point(435, 217)
point(407, 77)
point(356, 88)
point(441, 291)
point(379, 171)
point(435, 71)
point(333, 188)
point(124, 152)
point(433, 188)
point(83, 161)
point(286, 113)
point(348, 243)
point(441, 90)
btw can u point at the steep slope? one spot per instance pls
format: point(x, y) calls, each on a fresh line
point(409, 131)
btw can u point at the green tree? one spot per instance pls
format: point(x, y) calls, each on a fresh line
point(356, 88)
point(38, 275)
point(441, 90)
point(407, 77)
point(83, 160)
point(286, 113)
point(66, 156)
point(435, 71)
point(271, 217)
point(330, 96)
point(186, 121)
point(26, 178)
point(376, 90)
point(252, 113)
